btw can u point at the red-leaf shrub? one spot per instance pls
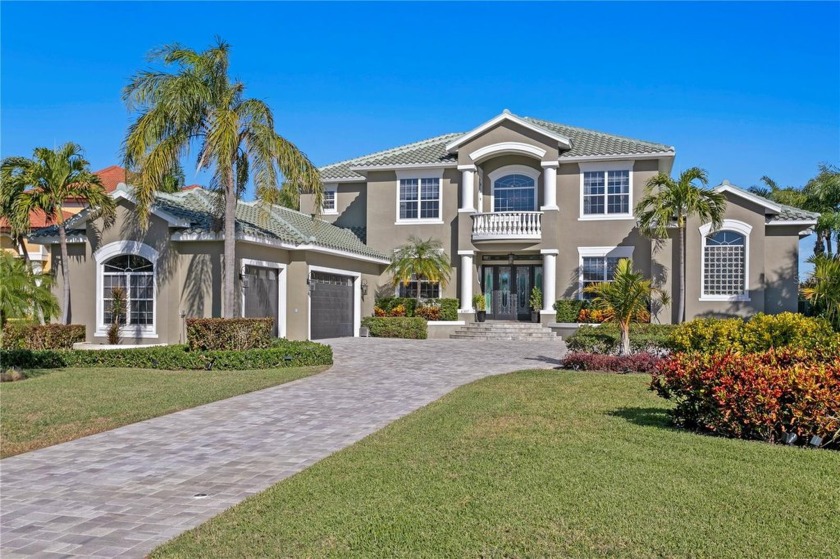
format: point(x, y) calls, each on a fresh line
point(755, 396)
point(428, 312)
point(635, 363)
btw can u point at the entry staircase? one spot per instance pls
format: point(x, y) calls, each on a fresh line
point(498, 330)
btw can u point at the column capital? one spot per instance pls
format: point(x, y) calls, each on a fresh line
point(467, 167)
point(550, 251)
point(549, 164)
point(466, 252)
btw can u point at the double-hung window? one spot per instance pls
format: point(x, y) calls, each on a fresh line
point(330, 205)
point(427, 289)
point(419, 199)
point(606, 193)
point(598, 264)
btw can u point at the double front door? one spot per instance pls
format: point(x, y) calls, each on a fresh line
point(507, 290)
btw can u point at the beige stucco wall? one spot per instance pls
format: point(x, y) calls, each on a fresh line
point(508, 131)
point(351, 205)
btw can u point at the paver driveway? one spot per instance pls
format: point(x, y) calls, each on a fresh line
point(123, 492)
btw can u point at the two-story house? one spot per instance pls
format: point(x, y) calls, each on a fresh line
point(521, 202)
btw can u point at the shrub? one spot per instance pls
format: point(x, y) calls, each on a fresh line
point(448, 308)
point(40, 337)
point(413, 328)
point(760, 333)
point(389, 303)
point(204, 334)
point(281, 353)
point(606, 338)
point(755, 395)
point(428, 312)
point(635, 363)
point(567, 310)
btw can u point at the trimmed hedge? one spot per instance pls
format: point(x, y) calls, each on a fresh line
point(448, 308)
point(636, 363)
point(205, 334)
point(414, 328)
point(755, 395)
point(606, 338)
point(759, 333)
point(567, 310)
point(42, 336)
point(282, 353)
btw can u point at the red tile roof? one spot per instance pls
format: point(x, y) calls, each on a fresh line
point(111, 177)
point(37, 220)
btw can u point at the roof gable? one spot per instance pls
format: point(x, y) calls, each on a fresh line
point(562, 141)
point(776, 214)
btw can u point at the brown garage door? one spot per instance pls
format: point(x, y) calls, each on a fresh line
point(331, 306)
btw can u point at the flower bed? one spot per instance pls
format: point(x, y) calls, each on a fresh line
point(636, 363)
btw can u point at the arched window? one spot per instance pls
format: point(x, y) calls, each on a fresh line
point(725, 264)
point(514, 193)
point(136, 275)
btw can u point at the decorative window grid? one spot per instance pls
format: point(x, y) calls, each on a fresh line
point(724, 264)
point(135, 274)
point(606, 192)
point(420, 198)
point(514, 193)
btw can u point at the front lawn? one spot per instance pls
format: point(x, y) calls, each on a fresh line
point(538, 464)
point(60, 405)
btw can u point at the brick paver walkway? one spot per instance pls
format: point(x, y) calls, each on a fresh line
point(123, 492)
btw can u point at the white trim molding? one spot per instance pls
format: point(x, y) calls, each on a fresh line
point(746, 195)
point(281, 289)
point(357, 297)
point(561, 140)
point(726, 225)
point(529, 172)
point(615, 157)
point(605, 166)
point(419, 174)
point(623, 251)
point(105, 253)
point(507, 148)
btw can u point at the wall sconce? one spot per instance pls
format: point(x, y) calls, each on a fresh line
point(510, 259)
point(364, 287)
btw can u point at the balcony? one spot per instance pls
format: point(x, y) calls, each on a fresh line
point(507, 226)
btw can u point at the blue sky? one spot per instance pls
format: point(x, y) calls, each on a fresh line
point(742, 90)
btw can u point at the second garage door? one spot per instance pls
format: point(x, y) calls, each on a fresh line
point(331, 306)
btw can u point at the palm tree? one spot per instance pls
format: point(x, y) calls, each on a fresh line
point(420, 260)
point(823, 196)
point(22, 291)
point(194, 103)
point(669, 203)
point(624, 298)
point(48, 180)
point(823, 287)
point(10, 191)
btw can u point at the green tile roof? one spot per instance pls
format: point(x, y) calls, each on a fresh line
point(266, 221)
point(787, 213)
point(585, 143)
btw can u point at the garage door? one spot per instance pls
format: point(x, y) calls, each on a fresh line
point(261, 295)
point(331, 306)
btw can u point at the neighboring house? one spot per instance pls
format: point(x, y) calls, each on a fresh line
point(310, 276)
point(520, 202)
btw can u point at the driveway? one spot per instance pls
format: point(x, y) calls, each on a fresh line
point(123, 492)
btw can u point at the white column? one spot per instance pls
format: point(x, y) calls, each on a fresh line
point(549, 279)
point(549, 185)
point(466, 280)
point(467, 187)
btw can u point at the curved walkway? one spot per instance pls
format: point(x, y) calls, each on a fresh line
point(123, 492)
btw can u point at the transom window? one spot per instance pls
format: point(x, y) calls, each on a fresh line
point(514, 193)
point(136, 276)
point(606, 192)
point(724, 264)
point(419, 198)
point(597, 269)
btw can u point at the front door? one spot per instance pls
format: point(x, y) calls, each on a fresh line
point(507, 290)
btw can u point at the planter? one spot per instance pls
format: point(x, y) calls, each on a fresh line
point(535, 316)
point(480, 316)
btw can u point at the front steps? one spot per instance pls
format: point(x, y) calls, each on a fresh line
point(497, 330)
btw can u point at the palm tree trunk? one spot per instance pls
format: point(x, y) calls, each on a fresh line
point(681, 307)
point(65, 273)
point(229, 270)
point(625, 338)
point(23, 251)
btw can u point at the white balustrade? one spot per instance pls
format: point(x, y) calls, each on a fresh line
point(507, 225)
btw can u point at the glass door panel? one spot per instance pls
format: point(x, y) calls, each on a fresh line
point(488, 289)
point(523, 290)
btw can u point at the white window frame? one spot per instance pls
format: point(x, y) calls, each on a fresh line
point(599, 252)
point(440, 288)
point(604, 167)
point(727, 225)
point(357, 297)
point(332, 188)
point(120, 248)
point(420, 174)
point(281, 290)
point(529, 172)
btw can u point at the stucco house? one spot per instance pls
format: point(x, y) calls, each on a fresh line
point(517, 202)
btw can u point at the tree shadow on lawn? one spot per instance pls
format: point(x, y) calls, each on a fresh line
point(546, 359)
point(645, 417)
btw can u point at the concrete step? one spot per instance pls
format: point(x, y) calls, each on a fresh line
point(503, 337)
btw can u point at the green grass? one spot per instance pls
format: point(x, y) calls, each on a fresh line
point(540, 464)
point(60, 405)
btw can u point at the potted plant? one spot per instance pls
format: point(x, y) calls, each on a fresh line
point(479, 304)
point(536, 304)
